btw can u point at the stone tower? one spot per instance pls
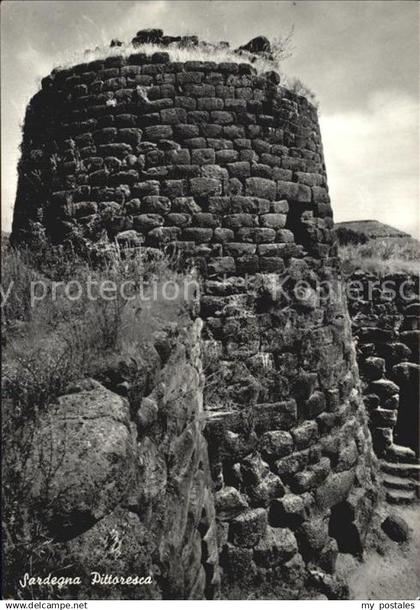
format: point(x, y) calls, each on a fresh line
point(227, 166)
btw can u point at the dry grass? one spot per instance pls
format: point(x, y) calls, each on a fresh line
point(281, 49)
point(16, 277)
point(53, 341)
point(383, 256)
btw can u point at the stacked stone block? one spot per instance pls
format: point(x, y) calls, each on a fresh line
point(385, 319)
point(225, 166)
point(170, 151)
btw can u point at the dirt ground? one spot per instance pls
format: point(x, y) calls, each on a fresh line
point(389, 570)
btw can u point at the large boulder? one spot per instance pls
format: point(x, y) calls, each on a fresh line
point(81, 458)
point(259, 44)
point(396, 528)
point(119, 544)
point(149, 36)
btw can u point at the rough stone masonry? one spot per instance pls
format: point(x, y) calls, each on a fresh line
point(386, 328)
point(227, 166)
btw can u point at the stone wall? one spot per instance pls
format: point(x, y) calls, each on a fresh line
point(225, 166)
point(118, 145)
point(385, 319)
point(122, 486)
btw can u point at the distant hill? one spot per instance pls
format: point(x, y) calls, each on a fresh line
point(372, 229)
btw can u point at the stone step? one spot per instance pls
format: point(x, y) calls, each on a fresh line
point(400, 496)
point(396, 482)
point(401, 469)
point(399, 453)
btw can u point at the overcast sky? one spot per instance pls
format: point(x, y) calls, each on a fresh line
point(360, 58)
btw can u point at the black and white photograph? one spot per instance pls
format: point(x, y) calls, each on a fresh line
point(210, 303)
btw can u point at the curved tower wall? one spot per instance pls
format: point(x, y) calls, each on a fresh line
point(227, 166)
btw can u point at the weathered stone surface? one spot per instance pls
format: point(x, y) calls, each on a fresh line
point(205, 186)
point(312, 476)
point(320, 194)
point(312, 536)
point(250, 205)
point(334, 489)
point(270, 487)
point(279, 415)
point(185, 205)
point(254, 470)
point(249, 527)
point(297, 460)
point(273, 221)
point(278, 546)
point(384, 388)
point(261, 187)
point(288, 511)
point(179, 220)
point(197, 234)
point(229, 503)
point(163, 235)
point(332, 586)
point(328, 556)
point(396, 528)
point(305, 434)
point(276, 444)
point(239, 249)
point(259, 44)
point(315, 404)
point(347, 456)
point(90, 467)
point(129, 238)
point(271, 264)
point(222, 265)
point(383, 418)
point(406, 372)
point(373, 368)
point(223, 235)
point(238, 563)
point(236, 221)
point(147, 413)
point(146, 222)
point(381, 337)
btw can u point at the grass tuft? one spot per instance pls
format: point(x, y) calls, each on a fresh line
point(383, 256)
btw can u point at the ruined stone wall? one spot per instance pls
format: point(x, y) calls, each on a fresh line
point(108, 142)
point(226, 166)
point(124, 489)
point(385, 319)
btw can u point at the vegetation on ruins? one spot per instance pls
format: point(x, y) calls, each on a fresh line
point(377, 248)
point(52, 342)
